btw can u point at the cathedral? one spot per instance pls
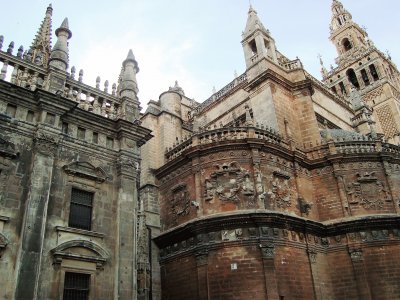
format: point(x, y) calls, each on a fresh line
point(279, 186)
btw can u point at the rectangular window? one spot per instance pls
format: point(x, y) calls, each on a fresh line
point(76, 286)
point(342, 88)
point(11, 110)
point(64, 127)
point(50, 118)
point(30, 115)
point(110, 143)
point(95, 138)
point(373, 71)
point(80, 210)
point(81, 133)
point(364, 76)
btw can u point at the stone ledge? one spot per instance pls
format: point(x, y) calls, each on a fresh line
point(80, 231)
point(4, 219)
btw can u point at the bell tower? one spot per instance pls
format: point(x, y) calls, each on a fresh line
point(364, 69)
point(257, 41)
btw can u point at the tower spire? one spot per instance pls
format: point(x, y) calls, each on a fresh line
point(41, 45)
point(128, 88)
point(59, 57)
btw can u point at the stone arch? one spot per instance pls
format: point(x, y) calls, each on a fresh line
point(69, 250)
point(346, 44)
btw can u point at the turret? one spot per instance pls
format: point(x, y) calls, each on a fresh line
point(128, 88)
point(256, 41)
point(59, 57)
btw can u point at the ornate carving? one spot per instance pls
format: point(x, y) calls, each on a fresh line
point(7, 149)
point(85, 170)
point(356, 255)
point(368, 191)
point(312, 254)
point(46, 143)
point(304, 206)
point(180, 200)
point(280, 191)
point(228, 182)
point(267, 251)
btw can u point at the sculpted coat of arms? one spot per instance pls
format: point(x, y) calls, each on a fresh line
point(180, 200)
point(228, 182)
point(368, 191)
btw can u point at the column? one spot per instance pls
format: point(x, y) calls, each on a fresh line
point(268, 256)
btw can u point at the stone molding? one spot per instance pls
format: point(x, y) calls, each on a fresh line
point(63, 251)
point(85, 170)
point(7, 149)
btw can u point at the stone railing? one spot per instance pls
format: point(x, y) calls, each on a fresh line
point(20, 70)
point(219, 135)
point(292, 65)
point(226, 89)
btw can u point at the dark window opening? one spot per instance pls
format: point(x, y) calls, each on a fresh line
point(340, 21)
point(64, 128)
point(253, 47)
point(76, 286)
point(334, 89)
point(81, 133)
point(110, 143)
point(11, 110)
point(50, 119)
point(342, 88)
point(95, 138)
point(346, 44)
point(80, 211)
point(374, 73)
point(364, 76)
point(30, 116)
point(352, 77)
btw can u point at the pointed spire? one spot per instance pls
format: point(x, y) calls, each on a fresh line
point(253, 24)
point(128, 84)
point(59, 57)
point(41, 45)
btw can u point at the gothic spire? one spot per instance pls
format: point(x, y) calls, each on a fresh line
point(128, 85)
point(59, 57)
point(41, 45)
point(253, 24)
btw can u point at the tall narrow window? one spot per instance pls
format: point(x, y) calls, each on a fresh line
point(30, 116)
point(64, 127)
point(80, 211)
point(342, 88)
point(81, 133)
point(334, 89)
point(253, 47)
point(76, 286)
point(110, 143)
point(346, 44)
point(95, 138)
point(373, 71)
point(352, 77)
point(364, 76)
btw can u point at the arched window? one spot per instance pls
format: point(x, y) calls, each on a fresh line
point(346, 44)
point(253, 47)
point(352, 77)
point(373, 71)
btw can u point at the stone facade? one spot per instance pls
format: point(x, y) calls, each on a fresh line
point(69, 167)
point(279, 186)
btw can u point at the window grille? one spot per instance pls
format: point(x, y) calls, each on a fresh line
point(76, 286)
point(80, 213)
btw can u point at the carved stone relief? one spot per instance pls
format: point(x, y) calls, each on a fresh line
point(7, 149)
point(228, 182)
point(368, 191)
point(180, 203)
point(85, 170)
point(280, 192)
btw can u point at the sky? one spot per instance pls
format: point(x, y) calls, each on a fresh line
point(197, 43)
